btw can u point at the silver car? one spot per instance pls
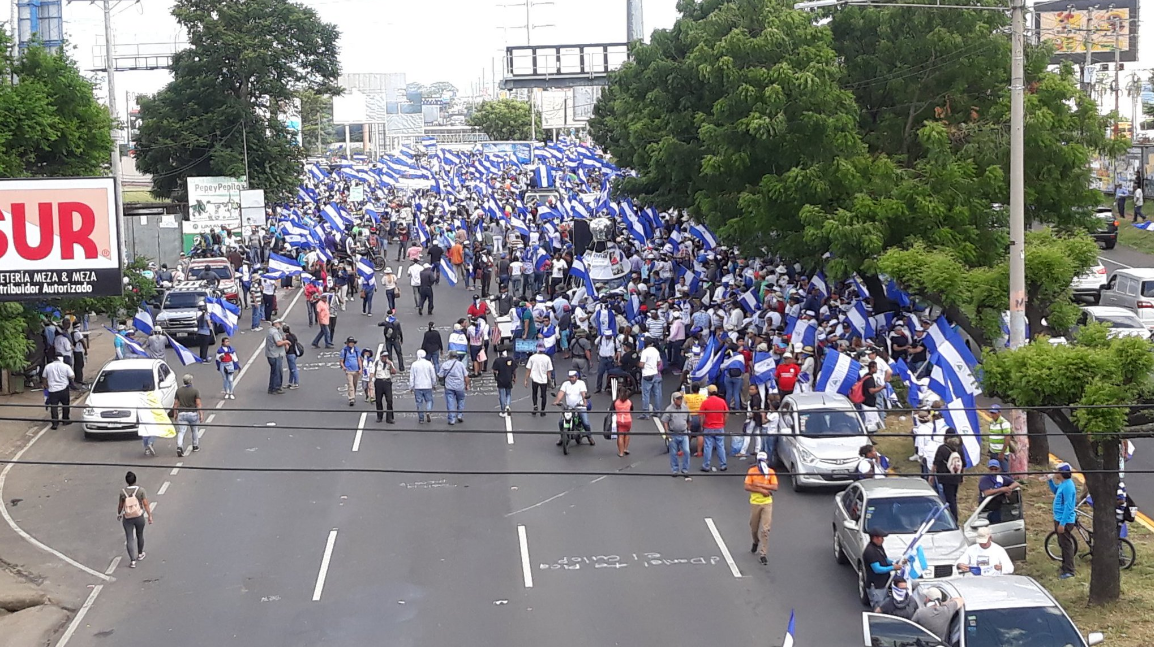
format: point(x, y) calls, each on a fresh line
point(899, 506)
point(819, 435)
point(1002, 611)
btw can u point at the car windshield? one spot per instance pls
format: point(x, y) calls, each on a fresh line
point(1148, 288)
point(1120, 320)
point(904, 515)
point(1029, 627)
point(221, 272)
point(182, 299)
point(124, 380)
point(830, 423)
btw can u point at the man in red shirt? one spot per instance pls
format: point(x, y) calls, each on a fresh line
point(713, 412)
point(786, 374)
point(478, 308)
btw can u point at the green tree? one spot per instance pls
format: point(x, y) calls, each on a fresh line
point(50, 122)
point(736, 114)
point(316, 121)
point(245, 63)
point(1096, 370)
point(506, 120)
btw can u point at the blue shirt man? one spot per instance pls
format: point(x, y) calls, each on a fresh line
point(1065, 512)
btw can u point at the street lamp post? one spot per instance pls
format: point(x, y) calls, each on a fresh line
point(1017, 174)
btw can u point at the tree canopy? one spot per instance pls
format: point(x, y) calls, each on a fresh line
point(245, 62)
point(506, 119)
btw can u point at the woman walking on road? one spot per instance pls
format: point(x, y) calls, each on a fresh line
point(292, 353)
point(623, 408)
point(392, 291)
point(131, 510)
point(228, 363)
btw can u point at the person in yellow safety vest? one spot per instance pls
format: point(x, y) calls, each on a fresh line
point(761, 483)
point(998, 431)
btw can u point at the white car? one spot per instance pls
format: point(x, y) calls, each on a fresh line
point(1122, 322)
point(121, 388)
point(1090, 283)
point(819, 435)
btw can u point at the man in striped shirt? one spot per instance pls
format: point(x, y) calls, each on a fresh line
point(655, 327)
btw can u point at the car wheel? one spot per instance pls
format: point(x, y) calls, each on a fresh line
point(794, 479)
point(88, 436)
point(1096, 298)
point(838, 553)
point(862, 587)
point(1111, 244)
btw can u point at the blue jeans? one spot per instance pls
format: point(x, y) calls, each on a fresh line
point(603, 367)
point(325, 333)
point(257, 313)
point(424, 399)
point(650, 393)
point(733, 392)
point(768, 444)
point(188, 420)
point(294, 374)
point(367, 302)
point(275, 373)
point(505, 397)
point(228, 379)
point(435, 358)
point(679, 444)
point(714, 438)
point(311, 308)
point(455, 403)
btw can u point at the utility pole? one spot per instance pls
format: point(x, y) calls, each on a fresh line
point(1018, 209)
point(244, 143)
point(1088, 40)
point(110, 68)
point(1116, 27)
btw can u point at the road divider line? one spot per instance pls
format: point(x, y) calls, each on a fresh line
point(176, 469)
point(722, 547)
point(163, 488)
point(1114, 262)
point(113, 565)
point(208, 421)
point(80, 615)
point(526, 567)
point(20, 531)
point(360, 430)
point(324, 572)
point(152, 506)
point(509, 428)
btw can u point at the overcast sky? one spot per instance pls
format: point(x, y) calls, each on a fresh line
point(430, 40)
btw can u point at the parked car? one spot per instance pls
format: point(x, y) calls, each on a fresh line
point(227, 285)
point(1106, 233)
point(900, 505)
point(121, 387)
point(819, 435)
point(1002, 611)
point(1133, 289)
point(1122, 322)
point(1090, 283)
point(182, 306)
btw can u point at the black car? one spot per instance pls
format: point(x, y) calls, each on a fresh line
point(1106, 234)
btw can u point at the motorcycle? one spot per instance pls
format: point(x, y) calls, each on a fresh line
point(572, 429)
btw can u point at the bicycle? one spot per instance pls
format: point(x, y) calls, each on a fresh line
point(1126, 552)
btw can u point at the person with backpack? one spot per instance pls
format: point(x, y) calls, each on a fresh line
point(351, 365)
point(947, 469)
point(394, 337)
point(864, 395)
point(293, 352)
point(131, 510)
point(228, 363)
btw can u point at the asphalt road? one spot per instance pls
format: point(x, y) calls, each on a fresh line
point(300, 559)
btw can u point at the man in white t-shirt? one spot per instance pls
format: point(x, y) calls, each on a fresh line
point(415, 280)
point(985, 557)
point(539, 371)
point(650, 378)
point(558, 275)
point(575, 394)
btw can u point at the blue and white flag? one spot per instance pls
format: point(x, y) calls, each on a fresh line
point(749, 302)
point(545, 212)
point(632, 308)
point(736, 360)
point(859, 320)
point(129, 342)
point(702, 233)
point(223, 313)
point(957, 361)
point(540, 258)
point(961, 414)
point(804, 333)
point(839, 373)
point(635, 228)
point(709, 365)
point(1146, 224)
point(675, 241)
point(519, 225)
point(448, 271)
point(897, 295)
point(365, 269)
point(577, 209)
point(335, 216)
point(143, 320)
point(818, 281)
point(788, 642)
point(763, 367)
point(543, 176)
point(915, 565)
point(581, 273)
point(423, 231)
point(372, 212)
point(862, 290)
point(283, 265)
point(913, 395)
point(186, 356)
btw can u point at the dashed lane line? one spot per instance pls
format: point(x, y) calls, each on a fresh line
point(163, 488)
point(360, 430)
point(722, 547)
point(325, 560)
point(526, 567)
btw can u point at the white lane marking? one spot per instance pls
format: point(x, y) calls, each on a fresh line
point(20, 531)
point(163, 488)
point(211, 417)
point(324, 572)
point(175, 469)
point(113, 565)
point(509, 428)
point(1114, 262)
point(152, 506)
point(360, 430)
point(72, 626)
point(722, 547)
point(221, 403)
point(555, 497)
point(526, 568)
point(260, 349)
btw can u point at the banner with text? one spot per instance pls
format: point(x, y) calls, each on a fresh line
point(214, 202)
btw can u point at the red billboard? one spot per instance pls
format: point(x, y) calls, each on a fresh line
point(58, 238)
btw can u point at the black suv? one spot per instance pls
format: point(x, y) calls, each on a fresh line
point(1106, 234)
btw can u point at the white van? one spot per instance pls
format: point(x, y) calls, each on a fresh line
point(1132, 289)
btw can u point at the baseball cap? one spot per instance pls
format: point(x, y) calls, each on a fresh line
point(983, 534)
point(762, 456)
point(712, 388)
point(573, 374)
point(1064, 467)
point(993, 463)
point(995, 408)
